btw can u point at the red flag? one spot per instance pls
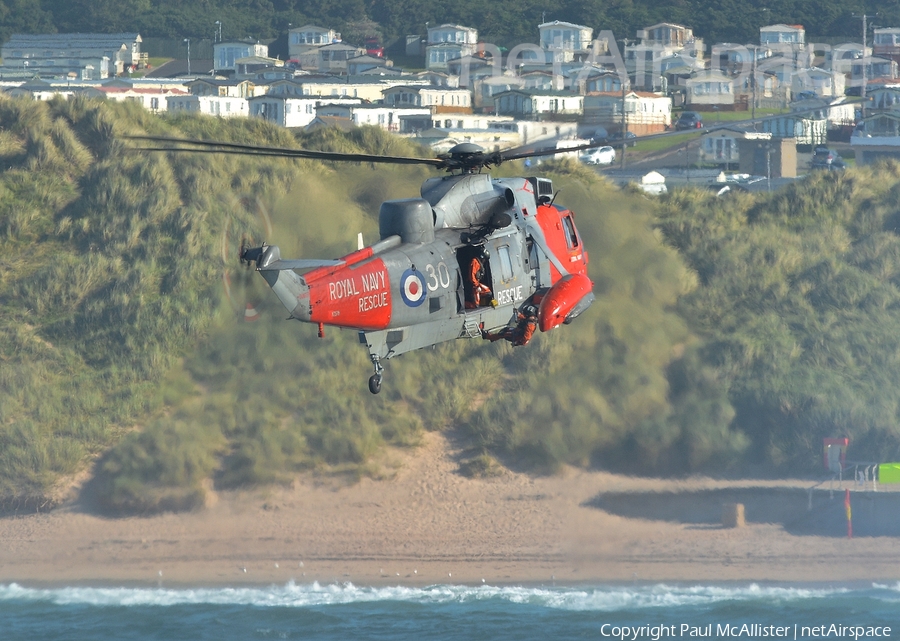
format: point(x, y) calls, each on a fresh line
point(849, 518)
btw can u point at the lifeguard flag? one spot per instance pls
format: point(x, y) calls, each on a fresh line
point(889, 473)
point(849, 519)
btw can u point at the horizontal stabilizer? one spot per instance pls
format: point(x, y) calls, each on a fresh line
point(301, 263)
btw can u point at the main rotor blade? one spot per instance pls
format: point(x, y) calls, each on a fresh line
point(514, 154)
point(210, 146)
point(462, 161)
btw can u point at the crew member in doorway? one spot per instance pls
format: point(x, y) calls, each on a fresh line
point(481, 293)
point(521, 332)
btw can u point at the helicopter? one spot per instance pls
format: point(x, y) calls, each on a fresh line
point(412, 288)
point(418, 285)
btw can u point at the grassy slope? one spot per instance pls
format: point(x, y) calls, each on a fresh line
point(109, 273)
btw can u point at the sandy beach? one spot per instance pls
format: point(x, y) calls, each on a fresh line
point(428, 524)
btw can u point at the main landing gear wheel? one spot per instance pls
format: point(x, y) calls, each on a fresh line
point(375, 379)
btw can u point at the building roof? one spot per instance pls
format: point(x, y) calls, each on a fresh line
point(72, 40)
point(374, 106)
point(217, 82)
point(448, 25)
point(337, 122)
point(679, 70)
point(782, 27)
point(870, 60)
point(447, 44)
point(882, 115)
point(666, 24)
point(357, 79)
point(703, 75)
point(381, 62)
point(559, 23)
point(329, 99)
point(592, 72)
point(36, 84)
point(618, 94)
point(310, 27)
point(247, 42)
point(543, 92)
point(425, 88)
point(382, 71)
point(726, 130)
point(470, 58)
point(339, 46)
point(144, 90)
point(817, 71)
point(119, 81)
point(259, 60)
point(883, 82)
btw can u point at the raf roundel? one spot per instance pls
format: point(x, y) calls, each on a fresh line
point(412, 288)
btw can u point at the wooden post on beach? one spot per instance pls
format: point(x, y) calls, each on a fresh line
point(733, 515)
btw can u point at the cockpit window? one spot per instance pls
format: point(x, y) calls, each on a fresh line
point(571, 234)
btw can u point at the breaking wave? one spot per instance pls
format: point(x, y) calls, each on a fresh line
point(599, 599)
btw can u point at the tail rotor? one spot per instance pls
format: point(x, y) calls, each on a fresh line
point(239, 282)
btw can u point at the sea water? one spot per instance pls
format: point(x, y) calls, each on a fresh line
point(452, 612)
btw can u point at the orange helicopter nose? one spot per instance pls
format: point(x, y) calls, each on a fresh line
point(565, 301)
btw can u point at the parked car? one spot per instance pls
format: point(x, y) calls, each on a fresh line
point(600, 136)
point(689, 120)
point(825, 158)
point(629, 137)
point(599, 156)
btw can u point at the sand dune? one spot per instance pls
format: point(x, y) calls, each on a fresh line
point(429, 525)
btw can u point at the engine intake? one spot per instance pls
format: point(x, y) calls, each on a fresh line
point(412, 219)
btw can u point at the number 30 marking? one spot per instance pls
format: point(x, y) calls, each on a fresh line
point(445, 275)
point(433, 280)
